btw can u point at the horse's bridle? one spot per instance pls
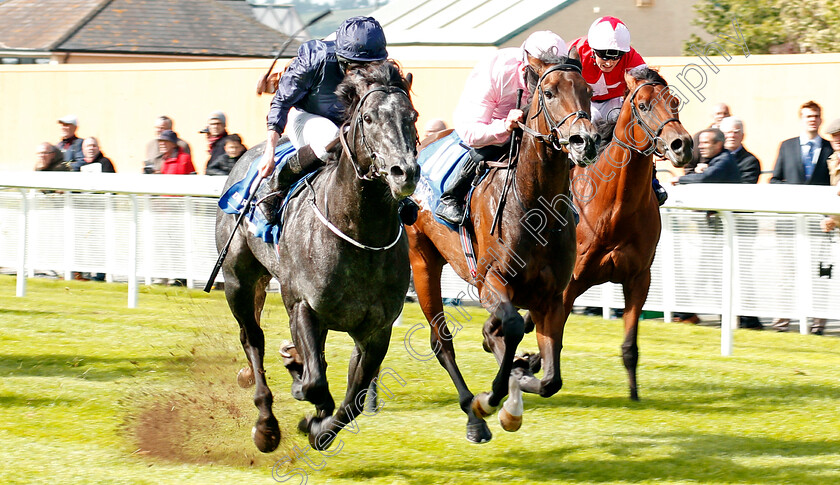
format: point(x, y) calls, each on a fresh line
point(554, 137)
point(653, 136)
point(373, 173)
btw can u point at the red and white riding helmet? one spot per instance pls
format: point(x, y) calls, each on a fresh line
point(609, 33)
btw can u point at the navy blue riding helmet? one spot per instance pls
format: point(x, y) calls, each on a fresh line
point(361, 39)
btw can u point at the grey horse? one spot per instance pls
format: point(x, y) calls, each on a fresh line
point(342, 258)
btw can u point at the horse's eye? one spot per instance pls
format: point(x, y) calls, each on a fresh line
point(549, 94)
point(644, 106)
point(367, 118)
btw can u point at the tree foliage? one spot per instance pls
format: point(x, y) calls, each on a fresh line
point(772, 26)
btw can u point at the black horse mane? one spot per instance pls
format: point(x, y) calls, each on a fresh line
point(606, 126)
point(361, 77)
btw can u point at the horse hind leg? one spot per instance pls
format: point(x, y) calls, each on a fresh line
point(635, 295)
point(309, 338)
point(363, 368)
point(245, 293)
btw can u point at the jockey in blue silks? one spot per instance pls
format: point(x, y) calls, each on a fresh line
point(306, 101)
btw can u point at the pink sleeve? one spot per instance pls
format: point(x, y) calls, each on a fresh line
point(473, 117)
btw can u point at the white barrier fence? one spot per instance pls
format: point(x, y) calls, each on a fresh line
point(760, 255)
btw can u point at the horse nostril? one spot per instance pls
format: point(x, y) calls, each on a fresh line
point(397, 172)
point(577, 141)
point(677, 145)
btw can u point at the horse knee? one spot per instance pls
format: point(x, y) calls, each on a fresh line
point(514, 328)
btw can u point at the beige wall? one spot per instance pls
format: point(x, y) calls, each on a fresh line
point(672, 19)
point(118, 102)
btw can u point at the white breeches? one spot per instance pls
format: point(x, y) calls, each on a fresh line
point(308, 129)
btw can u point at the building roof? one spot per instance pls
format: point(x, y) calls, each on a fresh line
point(161, 27)
point(462, 22)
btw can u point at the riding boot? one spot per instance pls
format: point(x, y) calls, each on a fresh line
point(300, 163)
point(659, 191)
point(451, 207)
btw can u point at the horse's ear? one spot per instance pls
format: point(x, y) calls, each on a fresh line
point(574, 54)
point(630, 80)
point(409, 79)
point(537, 65)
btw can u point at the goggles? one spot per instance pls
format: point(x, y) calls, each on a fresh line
point(609, 54)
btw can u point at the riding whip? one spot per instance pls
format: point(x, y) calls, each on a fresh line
point(498, 213)
point(223, 253)
point(262, 85)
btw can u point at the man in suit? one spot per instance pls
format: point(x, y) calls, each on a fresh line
point(748, 164)
point(802, 159)
point(716, 164)
point(718, 113)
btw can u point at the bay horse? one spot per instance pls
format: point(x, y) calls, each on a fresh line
point(619, 215)
point(528, 262)
point(341, 260)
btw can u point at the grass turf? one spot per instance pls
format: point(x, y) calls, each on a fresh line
point(94, 392)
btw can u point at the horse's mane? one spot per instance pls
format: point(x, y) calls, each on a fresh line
point(361, 77)
point(606, 126)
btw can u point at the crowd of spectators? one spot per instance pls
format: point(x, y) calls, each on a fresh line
point(166, 153)
point(806, 159)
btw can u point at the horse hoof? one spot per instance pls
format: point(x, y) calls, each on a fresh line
point(508, 421)
point(481, 406)
point(304, 423)
point(268, 439)
point(297, 390)
point(479, 433)
point(245, 377)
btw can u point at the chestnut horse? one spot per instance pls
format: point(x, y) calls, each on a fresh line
point(619, 215)
point(520, 265)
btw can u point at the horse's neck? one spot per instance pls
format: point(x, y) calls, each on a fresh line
point(541, 173)
point(630, 182)
point(360, 207)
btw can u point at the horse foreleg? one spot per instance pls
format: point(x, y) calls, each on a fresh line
point(635, 295)
point(309, 339)
point(246, 297)
point(512, 329)
point(427, 264)
point(363, 367)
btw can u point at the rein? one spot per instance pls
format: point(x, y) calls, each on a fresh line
point(554, 138)
point(321, 217)
point(372, 173)
point(651, 134)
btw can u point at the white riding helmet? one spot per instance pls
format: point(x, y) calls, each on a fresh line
point(543, 41)
point(609, 33)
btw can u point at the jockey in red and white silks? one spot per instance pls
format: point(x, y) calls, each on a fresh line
point(606, 55)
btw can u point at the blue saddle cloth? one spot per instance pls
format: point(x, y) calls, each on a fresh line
point(440, 163)
point(233, 200)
